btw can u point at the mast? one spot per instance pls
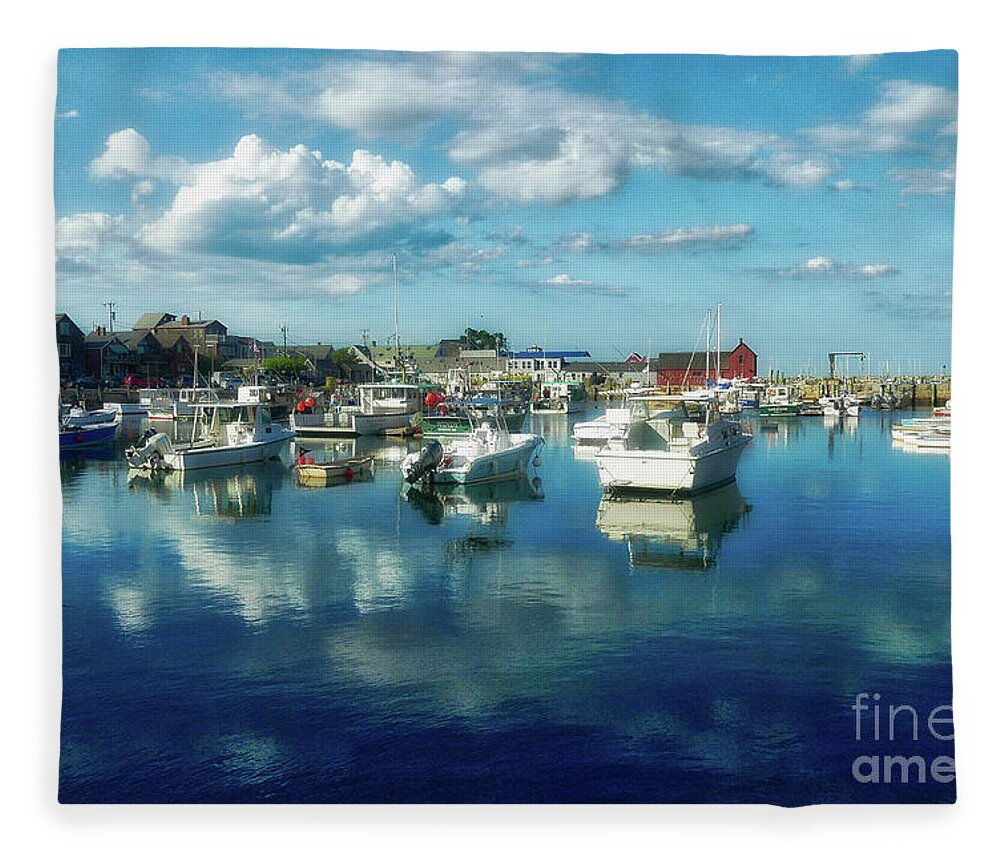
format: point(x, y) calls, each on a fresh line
point(718, 343)
point(708, 344)
point(395, 314)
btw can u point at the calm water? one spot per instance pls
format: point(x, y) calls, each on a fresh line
point(230, 636)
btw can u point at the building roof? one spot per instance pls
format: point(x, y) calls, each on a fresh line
point(153, 319)
point(540, 353)
point(317, 352)
point(606, 367)
point(680, 360)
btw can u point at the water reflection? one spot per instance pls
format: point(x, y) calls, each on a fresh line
point(235, 492)
point(673, 533)
point(486, 502)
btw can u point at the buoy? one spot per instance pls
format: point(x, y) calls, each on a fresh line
point(537, 461)
point(310, 402)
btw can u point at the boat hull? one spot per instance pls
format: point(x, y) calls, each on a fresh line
point(565, 407)
point(81, 437)
point(670, 470)
point(491, 467)
point(348, 424)
point(778, 410)
point(188, 459)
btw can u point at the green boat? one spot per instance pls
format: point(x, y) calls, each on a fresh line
point(460, 418)
point(778, 401)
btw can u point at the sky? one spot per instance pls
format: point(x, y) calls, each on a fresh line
point(598, 202)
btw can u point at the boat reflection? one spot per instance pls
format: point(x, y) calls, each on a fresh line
point(673, 533)
point(229, 493)
point(487, 502)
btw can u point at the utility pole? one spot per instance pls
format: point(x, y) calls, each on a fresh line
point(110, 305)
point(284, 337)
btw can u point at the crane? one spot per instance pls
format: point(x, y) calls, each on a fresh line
point(833, 360)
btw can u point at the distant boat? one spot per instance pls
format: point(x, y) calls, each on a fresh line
point(382, 407)
point(681, 451)
point(779, 401)
point(335, 472)
point(75, 417)
point(223, 435)
point(560, 398)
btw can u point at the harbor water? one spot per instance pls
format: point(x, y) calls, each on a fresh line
point(230, 636)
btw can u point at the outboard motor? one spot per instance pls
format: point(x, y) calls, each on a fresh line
point(421, 463)
point(148, 452)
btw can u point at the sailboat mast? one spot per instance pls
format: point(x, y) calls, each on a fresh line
point(718, 343)
point(708, 344)
point(395, 315)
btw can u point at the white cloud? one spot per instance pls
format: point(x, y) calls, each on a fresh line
point(925, 181)
point(686, 237)
point(822, 267)
point(904, 111)
point(127, 155)
point(529, 140)
point(565, 281)
point(292, 205)
point(84, 232)
point(69, 114)
point(856, 62)
point(719, 236)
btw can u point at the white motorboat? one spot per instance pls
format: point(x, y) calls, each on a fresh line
point(125, 408)
point(222, 435)
point(74, 417)
point(381, 408)
point(682, 450)
point(489, 452)
point(614, 422)
point(560, 398)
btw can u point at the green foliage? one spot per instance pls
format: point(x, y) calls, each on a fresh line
point(343, 355)
point(482, 339)
point(285, 365)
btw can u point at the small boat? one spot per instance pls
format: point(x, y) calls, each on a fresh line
point(75, 417)
point(943, 411)
point(222, 435)
point(560, 398)
point(489, 452)
point(81, 437)
point(334, 472)
point(382, 407)
point(614, 422)
point(779, 401)
point(682, 450)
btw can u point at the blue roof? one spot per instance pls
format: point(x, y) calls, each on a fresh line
point(538, 353)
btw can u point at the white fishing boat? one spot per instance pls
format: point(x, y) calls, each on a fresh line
point(614, 422)
point(381, 408)
point(489, 452)
point(179, 404)
point(222, 435)
point(73, 417)
point(688, 449)
point(560, 398)
point(123, 409)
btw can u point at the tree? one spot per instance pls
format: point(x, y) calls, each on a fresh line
point(284, 365)
point(343, 355)
point(482, 339)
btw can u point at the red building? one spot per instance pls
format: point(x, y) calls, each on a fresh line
point(672, 368)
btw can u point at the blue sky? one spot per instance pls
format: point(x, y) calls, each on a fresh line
point(573, 201)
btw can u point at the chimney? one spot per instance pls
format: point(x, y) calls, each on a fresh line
point(185, 320)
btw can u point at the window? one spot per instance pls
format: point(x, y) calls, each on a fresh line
point(65, 350)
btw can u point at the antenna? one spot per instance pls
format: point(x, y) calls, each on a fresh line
point(110, 305)
point(284, 336)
